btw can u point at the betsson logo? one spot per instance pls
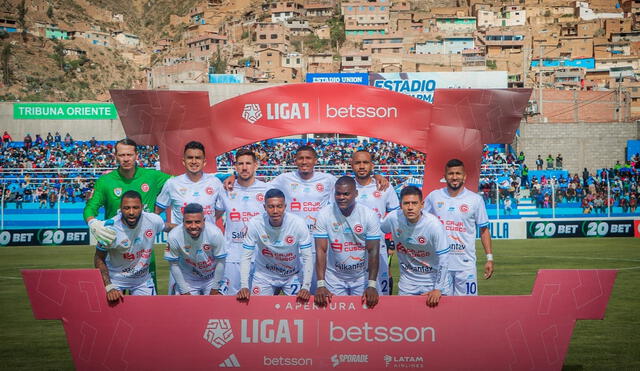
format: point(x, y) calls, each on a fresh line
point(381, 334)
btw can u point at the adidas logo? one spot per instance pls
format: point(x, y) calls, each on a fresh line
point(232, 361)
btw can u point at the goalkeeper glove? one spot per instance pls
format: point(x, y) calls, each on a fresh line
point(102, 231)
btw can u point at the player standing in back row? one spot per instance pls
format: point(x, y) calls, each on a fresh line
point(461, 210)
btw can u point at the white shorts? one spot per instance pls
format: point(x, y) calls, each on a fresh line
point(263, 286)
point(408, 287)
point(202, 287)
point(231, 282)
point(383, 272)
point(464, 283)
point(342, 287)
point(147, 288)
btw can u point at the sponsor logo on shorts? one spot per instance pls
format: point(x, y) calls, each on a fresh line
point(144, 187)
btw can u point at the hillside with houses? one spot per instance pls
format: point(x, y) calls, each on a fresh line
point(78, 49)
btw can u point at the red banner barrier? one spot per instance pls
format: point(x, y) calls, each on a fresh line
point(208, 332)
point(457, 124)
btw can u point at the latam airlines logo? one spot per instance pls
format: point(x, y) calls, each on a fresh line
point(218, 332)
point(251, 113)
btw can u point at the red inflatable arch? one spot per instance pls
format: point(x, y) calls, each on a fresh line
point(457, 124)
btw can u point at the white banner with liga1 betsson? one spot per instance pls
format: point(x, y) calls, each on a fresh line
point(422, 85)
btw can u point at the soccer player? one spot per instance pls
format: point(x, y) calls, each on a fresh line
point(124, 263)
point(353, 233)
point(461, 210)
point(421, 246)
point(196, 253)
point(381, 202)
point(282, 245)
point(110, 187)
point(194, 186)
point(307, 190)
point(244, 202)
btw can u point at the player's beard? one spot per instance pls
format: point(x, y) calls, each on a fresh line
point(134, 224)
point(455, 188)
point(364, 177)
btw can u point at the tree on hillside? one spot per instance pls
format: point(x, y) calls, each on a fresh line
point(336, 25)
point(22, 19)
point(5, 55)
point(218, 65)
point(50, 12)
point(58, 54)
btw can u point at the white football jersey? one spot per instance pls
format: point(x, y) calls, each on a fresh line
point(276, 250)
point(460, 215)
point(381, 202)
point(180, 191)
point(347, 255)
point(306, 197)
point(241, 204)
point(196, 257)
point(422, 248)
point(129, 254)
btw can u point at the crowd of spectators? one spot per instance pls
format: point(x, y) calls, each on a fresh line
point(29, 173)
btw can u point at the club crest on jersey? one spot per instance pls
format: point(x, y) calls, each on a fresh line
point(144, 187)
point(319, 187)
point(117, 192)
point(260, 197)
point(128, 256)
point(464, 208)
point(358, 228)
point(209, 190)
point(148, 233)
point(206, 247)
point(377, 194)
point(289, 240)
point(421, 240)
point(256, 290)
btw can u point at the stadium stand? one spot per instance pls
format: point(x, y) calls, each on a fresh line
point(52, 177)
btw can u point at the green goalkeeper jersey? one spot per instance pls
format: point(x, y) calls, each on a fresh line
point(110, 187)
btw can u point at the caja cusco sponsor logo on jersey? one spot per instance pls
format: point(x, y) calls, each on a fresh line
point(308, 206)
point(402, 249)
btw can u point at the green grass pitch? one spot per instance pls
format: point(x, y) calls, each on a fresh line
point(610, 344)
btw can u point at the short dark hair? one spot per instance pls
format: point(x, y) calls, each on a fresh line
point(411, 190)
point(346, 180)
point(246, 152)
point(194, 145)
point(307, 147)
point(274, 193)
point(192, 208)
point(362, 151)
point(131, 194)
point(454, 162)
point(126, 142)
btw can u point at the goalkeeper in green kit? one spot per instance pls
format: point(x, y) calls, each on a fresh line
point(110, 187)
